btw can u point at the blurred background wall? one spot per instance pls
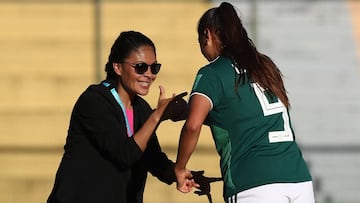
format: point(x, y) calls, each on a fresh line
point(51, 50)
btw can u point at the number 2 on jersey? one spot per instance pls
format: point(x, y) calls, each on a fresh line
point(271, 108)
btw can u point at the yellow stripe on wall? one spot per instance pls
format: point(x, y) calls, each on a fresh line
point(354, 7)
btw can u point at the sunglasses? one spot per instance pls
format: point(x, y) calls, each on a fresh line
point(141, 68)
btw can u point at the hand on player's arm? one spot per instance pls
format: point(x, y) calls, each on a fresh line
point(164, 110)
point(177, 109)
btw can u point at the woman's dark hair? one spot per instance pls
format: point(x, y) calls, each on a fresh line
point(235, 44)
point(127, 42)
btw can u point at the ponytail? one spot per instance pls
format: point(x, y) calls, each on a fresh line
point(236, 45)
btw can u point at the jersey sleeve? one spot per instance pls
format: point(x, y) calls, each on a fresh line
point(207, 84)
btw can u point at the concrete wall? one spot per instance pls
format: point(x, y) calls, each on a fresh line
point(316, 45)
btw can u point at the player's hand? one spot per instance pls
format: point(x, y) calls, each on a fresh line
point(185, 181)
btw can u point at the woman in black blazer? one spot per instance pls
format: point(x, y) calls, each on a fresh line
point(111, 142)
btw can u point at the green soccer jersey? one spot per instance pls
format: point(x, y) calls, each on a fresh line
point(251, 129)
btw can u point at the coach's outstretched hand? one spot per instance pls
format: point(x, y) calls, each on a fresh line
point(177, 109)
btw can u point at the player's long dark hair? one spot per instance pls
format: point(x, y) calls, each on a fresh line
point(235, 44)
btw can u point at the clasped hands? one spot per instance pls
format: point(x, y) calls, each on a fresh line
point(187, 180)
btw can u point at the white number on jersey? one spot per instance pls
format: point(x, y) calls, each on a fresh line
point(274, 108)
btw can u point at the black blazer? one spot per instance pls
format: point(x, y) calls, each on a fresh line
point(100, 163)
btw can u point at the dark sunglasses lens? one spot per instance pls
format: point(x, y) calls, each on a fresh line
point(141, 68)
point(155, 68)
